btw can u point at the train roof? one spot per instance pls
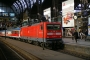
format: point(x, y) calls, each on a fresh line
point(18, 28)
point(47, 23)
point(4, 30)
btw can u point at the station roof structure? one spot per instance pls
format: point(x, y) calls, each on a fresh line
point(7, 2)
point(15, 3)
point(20, 5)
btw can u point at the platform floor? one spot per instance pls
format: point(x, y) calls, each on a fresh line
point(80, 42)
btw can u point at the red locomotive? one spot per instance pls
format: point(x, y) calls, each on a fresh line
point(42, 33)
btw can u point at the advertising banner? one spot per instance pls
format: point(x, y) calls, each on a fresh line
point(88, 20)
point(88, 30)
point(47, 14)
point(69, 31)
point(68, 13)
point(89, 26)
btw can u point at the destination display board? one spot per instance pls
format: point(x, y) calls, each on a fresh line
point(6, 14)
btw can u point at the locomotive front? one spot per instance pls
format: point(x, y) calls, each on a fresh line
point(53, 35)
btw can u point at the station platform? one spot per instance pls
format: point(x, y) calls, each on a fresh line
point(82, 47)
point(37, 51)
point(80, 42)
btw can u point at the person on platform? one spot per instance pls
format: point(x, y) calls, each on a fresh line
point(72, 35)
point(81, 35)
point(86, 34)
point(76, 35)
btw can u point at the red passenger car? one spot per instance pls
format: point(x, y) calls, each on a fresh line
point(15, 34)
point(7, 33)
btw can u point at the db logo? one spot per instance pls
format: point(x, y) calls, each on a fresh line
point(54, 33)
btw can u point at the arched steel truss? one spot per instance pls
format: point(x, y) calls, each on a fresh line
point(29, 3)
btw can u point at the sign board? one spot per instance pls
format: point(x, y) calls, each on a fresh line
point(88, 30)
point(47, 14)
point(68, 13)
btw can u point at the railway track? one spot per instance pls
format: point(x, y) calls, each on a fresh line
point(2, 56)
point(6, 53)
point(19, 54)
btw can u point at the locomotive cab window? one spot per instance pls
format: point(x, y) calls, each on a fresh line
point(56, 27)
point(53, 27)
point(15, 32)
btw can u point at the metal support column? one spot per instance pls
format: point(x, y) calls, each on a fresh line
point(5, 28)
point(77, 22)
point(43, 22)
